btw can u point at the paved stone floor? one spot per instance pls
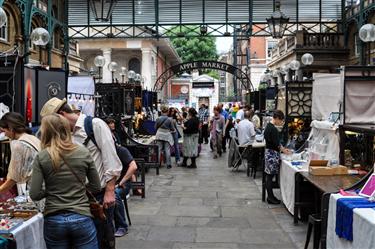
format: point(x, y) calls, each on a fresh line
point(207, 208)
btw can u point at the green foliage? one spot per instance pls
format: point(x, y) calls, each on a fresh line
point(214, 74)
point(193, 48)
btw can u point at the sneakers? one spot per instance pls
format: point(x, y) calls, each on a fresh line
point(169, 166)
point(121, 232)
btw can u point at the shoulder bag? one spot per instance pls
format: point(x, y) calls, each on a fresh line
point(96, 208)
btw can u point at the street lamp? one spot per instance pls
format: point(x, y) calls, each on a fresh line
point(123, 73)
point(102, 9)
point(294, 65)
point(99, 62)
point(138, 78)
point(112, 67)
point(278, 22)
point(307, 59)
point(366, 34)
point(3, 17)
point(131, 76)
point(40, 37)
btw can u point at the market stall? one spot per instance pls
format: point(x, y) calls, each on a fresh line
point(21, 224)
point(360, 232)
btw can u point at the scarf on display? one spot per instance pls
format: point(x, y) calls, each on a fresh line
point(344, 215)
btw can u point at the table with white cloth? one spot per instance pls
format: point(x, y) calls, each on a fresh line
point(29, 235)
point(287, 183)
point(363, 227)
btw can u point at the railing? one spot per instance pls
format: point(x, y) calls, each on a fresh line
point(320, 41)
point(311, 41)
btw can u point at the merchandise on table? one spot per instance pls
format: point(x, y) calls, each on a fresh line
point(8, 225)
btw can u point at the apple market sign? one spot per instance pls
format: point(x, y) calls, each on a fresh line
point(189, 66)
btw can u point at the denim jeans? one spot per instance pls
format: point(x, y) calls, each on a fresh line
point(176, 147)
point(164, 146)
point(120, 218)
point(67, 230)
point(105, 229)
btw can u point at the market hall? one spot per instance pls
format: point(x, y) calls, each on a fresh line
point(187, 124)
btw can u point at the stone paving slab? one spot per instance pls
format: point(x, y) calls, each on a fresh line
point(210, 207)
point(180, 234)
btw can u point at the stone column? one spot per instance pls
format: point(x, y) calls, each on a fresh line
point(106, 74)
point(146, 67)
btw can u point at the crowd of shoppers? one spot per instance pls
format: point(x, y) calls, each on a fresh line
point(74, 147)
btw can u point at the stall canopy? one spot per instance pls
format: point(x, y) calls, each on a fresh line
point(327, 95)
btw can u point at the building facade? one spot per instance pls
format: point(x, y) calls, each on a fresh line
point(150, 58)
point(23, 17)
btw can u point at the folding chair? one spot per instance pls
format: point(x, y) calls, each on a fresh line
point(241, 152)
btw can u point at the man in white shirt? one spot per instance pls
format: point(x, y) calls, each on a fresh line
point(240, 114)
point(105, 158)
point(246, 130)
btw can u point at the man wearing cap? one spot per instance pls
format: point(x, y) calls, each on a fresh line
point(105, 158)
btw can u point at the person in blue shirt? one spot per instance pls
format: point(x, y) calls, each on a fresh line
point(225, 114)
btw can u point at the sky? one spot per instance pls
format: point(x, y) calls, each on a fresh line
point(223, 44)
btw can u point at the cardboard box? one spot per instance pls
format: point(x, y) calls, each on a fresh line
point(321, 170)
point(340, 170)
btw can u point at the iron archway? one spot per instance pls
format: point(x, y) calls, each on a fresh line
point(183, 67)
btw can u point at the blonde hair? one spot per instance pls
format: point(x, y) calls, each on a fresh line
point(56, 138)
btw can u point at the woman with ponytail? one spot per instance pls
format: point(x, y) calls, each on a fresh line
point(64, 167)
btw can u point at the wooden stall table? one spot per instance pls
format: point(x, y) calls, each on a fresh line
point(326, 185)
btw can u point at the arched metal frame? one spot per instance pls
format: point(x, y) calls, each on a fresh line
point(183, 67)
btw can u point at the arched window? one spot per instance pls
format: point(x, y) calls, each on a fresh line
point(135, 65)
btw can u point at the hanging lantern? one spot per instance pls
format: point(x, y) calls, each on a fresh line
point(102, 9)
point(278, 22)
point(307, 59)
point(3, 17)
point(40, 37)
point(367, 33)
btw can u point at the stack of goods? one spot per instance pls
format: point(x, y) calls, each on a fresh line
point(13, 214)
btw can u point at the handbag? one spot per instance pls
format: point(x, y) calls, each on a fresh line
point(96, 208)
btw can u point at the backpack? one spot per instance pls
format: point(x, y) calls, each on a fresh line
point(122, 152)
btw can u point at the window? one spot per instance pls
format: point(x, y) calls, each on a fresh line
point(4, 32)
point(135, 65)
point(270, 45)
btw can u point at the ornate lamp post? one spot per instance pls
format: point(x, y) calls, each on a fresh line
point(112, 67)
point(123, 73)
point(278, 22)
point(131, 76)
point(366, 34)
point(99, 62)
point(40, 37)
point(102, 9)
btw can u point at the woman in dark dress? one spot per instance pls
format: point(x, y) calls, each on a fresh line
point(191, 136)
point(272, 154)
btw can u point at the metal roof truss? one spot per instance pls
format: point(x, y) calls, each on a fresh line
point(155, 18)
